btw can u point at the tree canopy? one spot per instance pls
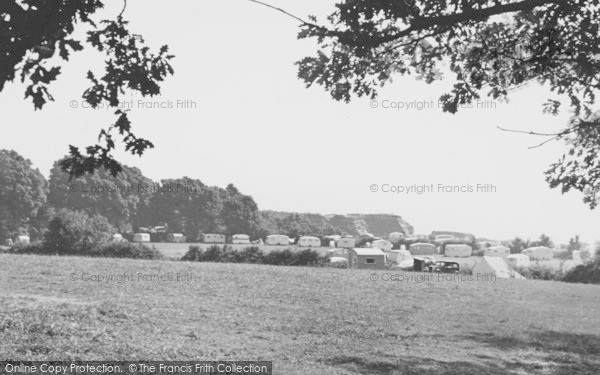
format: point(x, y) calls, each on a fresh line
point(23, 192)
point(488, 46)
point(189, 206)
point(36, 34)
point(116, 198)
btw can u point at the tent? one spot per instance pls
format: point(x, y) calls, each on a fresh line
point(399, 256)
point(539, 253)
point(23, 240)
point(382, 245)
point(402, 258)
point(422, 249)
point(459, 251)
point(497, 251)
point(496, 266)
point(517, 260)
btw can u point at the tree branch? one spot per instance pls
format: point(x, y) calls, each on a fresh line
point(123, 10)
point(285, 12)
point(422, 23)
point(553, 136)
point(535, 133)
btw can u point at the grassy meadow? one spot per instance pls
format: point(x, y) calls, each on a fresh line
point(305, 320)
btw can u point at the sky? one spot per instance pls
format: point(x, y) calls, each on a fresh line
point(235, 112)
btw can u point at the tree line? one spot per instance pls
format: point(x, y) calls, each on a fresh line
point(130, 200)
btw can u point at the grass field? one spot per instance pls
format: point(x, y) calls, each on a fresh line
point(305, 320)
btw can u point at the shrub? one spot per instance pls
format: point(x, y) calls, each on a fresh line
point(253, 255)
point(308, 258)
point(74, 232)
point(193, 254)
point(540, 272)
point(362, 240)
point(213, 254)
point(279, 257)
point(588, 273)
point(126, 250)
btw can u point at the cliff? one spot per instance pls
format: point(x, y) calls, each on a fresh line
point(379, 225)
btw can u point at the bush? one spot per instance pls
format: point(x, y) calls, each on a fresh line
point(253, 255)
point(74, 232)
point(193, 254)
point(279, 257)
point(308, 258)
point(363, 240)
point(539, 272)
point(214, 253)
point(126, 250)
point(588, 273)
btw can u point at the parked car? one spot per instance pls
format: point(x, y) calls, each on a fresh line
point(444, 267)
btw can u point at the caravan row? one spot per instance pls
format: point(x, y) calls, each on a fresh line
point(145, 237)
point(277, 240)
point(273, 239)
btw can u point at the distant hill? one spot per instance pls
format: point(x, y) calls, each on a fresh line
point(378, 225)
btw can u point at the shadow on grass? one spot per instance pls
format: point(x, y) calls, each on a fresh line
point(412, 366)
point(548, 352)
point(548, 341)
point(560, 352)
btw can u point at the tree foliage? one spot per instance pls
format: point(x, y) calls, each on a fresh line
point(23, 192)
point(189, 206)
point(36, 34)
point(488, 46)
point(295, 225)
point(574, 244)
point(518, 244)
point(75, 232)
point(543, 240)
point(579, 167)
point(115, 197)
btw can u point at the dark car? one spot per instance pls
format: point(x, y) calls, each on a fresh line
point(444, 267)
